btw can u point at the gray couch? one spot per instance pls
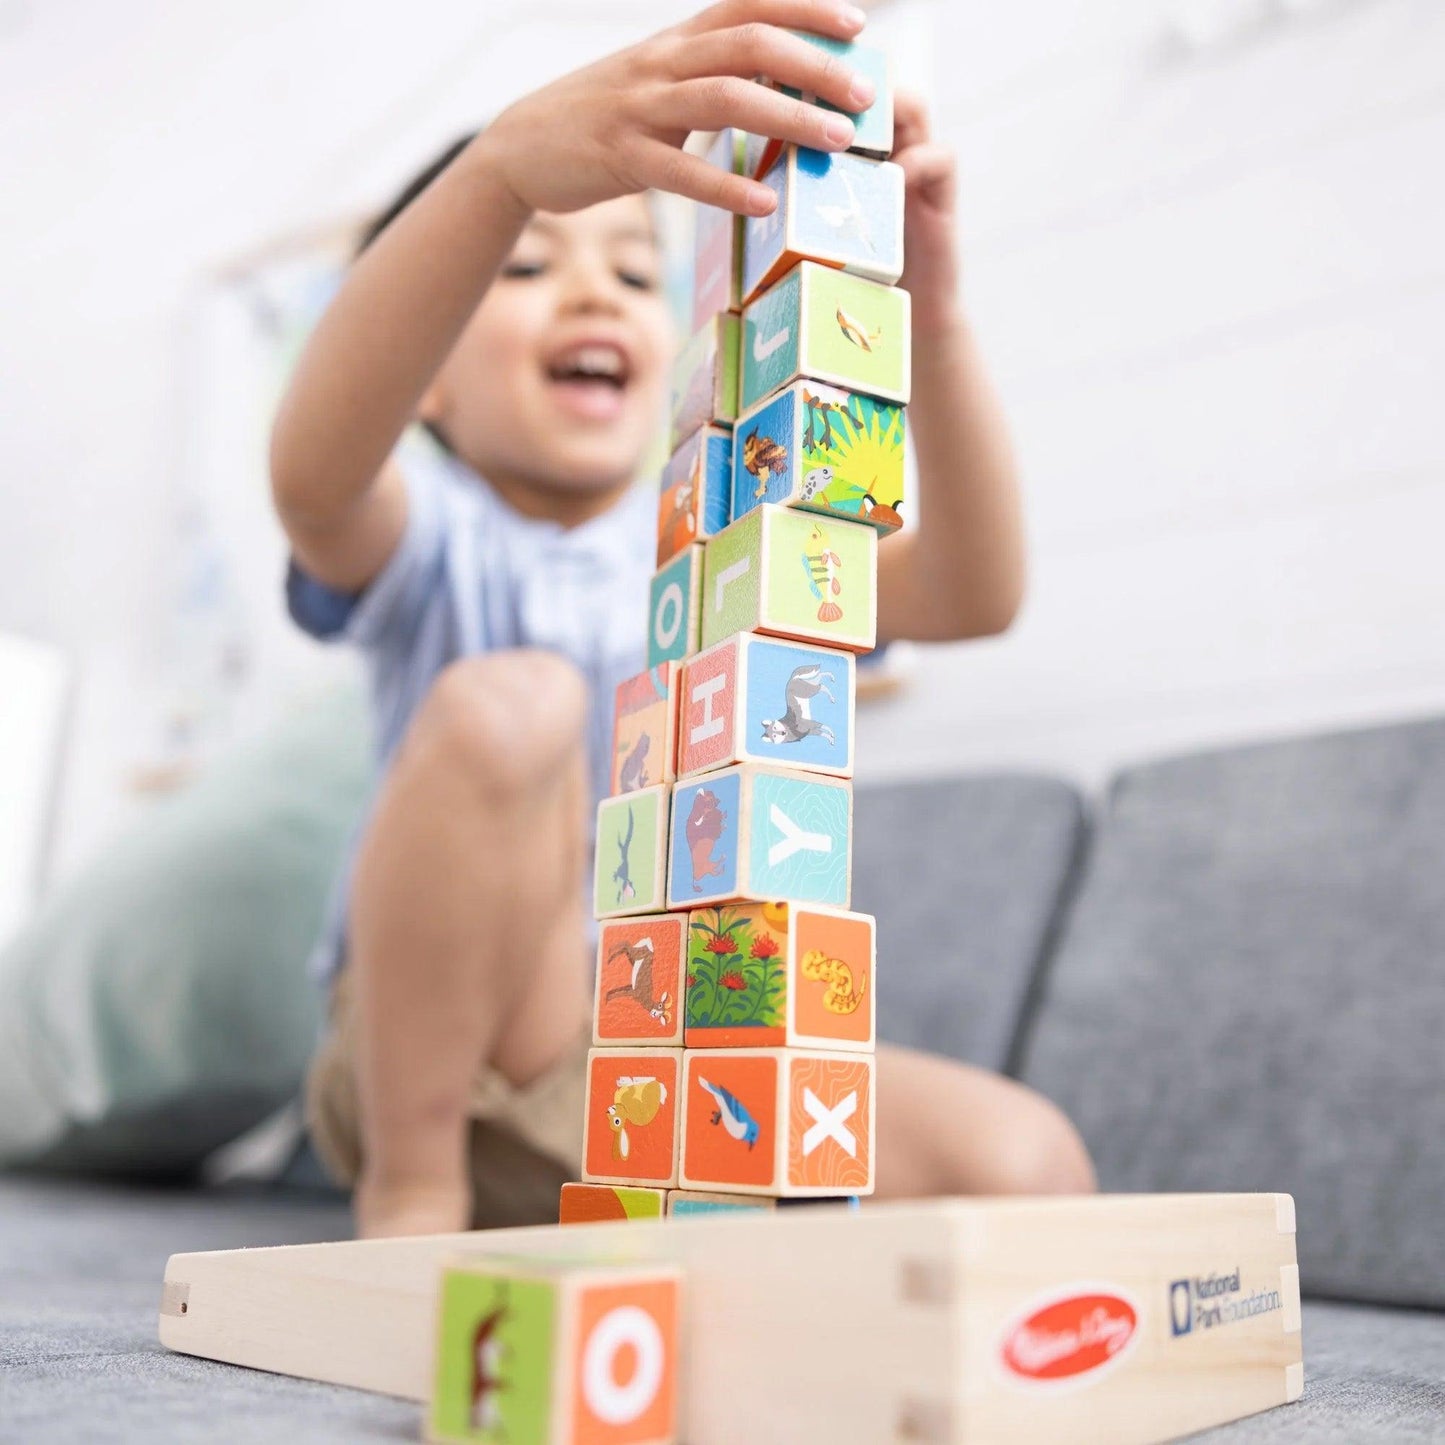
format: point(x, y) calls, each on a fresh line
point(1229, 973)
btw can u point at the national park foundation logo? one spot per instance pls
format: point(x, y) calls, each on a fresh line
point(1070, 1336)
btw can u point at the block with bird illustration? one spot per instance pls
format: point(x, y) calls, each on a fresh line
point(695, 499)
point(752, 698)
point(839, 209)
point(767, 975)
point(717, 267)
point(749, 833)
point(632, 1128)
point(821, 449)
point(630, 864)
point(705, 377)
point(674, 612)
point(792, 574)
point(792, 1123)
point(644, 728)
point(605, 1203)
point(821, 323)
point(555, 1352)
point(639, 982)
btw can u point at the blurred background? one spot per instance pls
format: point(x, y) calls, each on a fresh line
point(1204, 245)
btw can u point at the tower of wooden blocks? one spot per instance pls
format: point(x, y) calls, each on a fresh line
point(733, 1059)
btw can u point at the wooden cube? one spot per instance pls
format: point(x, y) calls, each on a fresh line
point(763, 975)
point(640, 981)
point(839, 209)
point(631, 1131)
point(644, 729)
point(537, 1353)
point(824, 450)
point(792, 574)
point(685, 1203)
point(674, 612)
point(696, 496)
point(788, 1122)
point(756, 833)
point(822, 323)
point(759, 699)
point(705, 378)
point(717, 270)
point(604, 1203)
point(631, 853)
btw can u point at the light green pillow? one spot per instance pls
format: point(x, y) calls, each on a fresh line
point(158, 1004)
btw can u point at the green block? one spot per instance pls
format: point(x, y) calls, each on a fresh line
point(631, 857)
point(705, 378)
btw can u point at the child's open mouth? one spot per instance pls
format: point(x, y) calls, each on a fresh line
point(590, 380)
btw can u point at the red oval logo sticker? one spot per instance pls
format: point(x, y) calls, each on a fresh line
point(1070, 1336)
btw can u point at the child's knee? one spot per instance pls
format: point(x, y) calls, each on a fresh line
point(1047, 1156)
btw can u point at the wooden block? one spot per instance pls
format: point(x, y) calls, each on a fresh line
point(793, 1122)
point(675, 609)
point(758, 699)
point(749, 832)
point(838, 209)
point(689, 1203)
point(644, 729)
point(696, 497)
point(534, 1353)
point(603, 1203)
point(761, 975)
point(632, 1129)
point(824, 450)
point(705, 378)
point(629, 870)
point(792, 574)
point(822, 323)
point(717, 270)
point(934, 1291)
point(640, 981)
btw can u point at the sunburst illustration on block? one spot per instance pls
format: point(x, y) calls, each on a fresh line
point(859, 446)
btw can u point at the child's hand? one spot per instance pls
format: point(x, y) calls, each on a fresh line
point(930, 271)
point(618, 126)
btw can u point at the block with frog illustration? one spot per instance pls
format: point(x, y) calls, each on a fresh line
point(639, 982)
point(705, 378)
point(631, 1127)
point(644, 729)
point(760, 699)
point(766, 975)
point(792, 574)
point(754, 833)
point(630, 866)
point(537, 1351)
point(717, 270)
point(825, 324)
point(695, 500)
point(822, 449)
point(795, 1123)
point(608, 1203)
point(674, 613)
point(836, 208)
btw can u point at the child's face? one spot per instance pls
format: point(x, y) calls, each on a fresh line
point(557, 383)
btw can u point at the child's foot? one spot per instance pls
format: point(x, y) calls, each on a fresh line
point(386, 1210)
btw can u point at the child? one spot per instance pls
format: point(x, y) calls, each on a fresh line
point(513, 305)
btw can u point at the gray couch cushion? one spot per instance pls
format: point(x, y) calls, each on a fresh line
point(965, 877)
point(1249, 995)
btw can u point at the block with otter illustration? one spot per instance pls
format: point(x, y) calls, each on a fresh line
point(674, 614)
point(644, 729)
point(762, 975)
point(630, 863)
point(631, 1133)
point(792, 574)
point(695, 500)
point(639, 983)
point(754, 833)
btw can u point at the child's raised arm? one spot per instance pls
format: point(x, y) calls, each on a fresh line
point(610, 129)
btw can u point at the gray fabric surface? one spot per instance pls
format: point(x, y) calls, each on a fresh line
point(1249, 995)
point(965, 877)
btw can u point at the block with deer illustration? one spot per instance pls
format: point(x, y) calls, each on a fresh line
point(639, 984)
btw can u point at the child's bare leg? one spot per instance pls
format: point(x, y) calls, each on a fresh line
point(946, 1127)
point(466, 924)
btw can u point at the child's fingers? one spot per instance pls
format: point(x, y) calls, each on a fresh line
point(721, 101)
point(910, 119)
point(663, 167)
point(835, 18)
point(929, 170)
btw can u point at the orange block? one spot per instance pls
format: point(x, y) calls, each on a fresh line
point(609, 1203)
point(631, 1131)
point(788, 1122)
point(638, 997)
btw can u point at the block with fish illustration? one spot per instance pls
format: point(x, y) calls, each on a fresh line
point(644, 728)
point(631, 1132)
point(630, 864)
point(531, 1351)
point(836, 208)
point(695, 499)
point(760, 699)
point(767, 975)
point(639, 983)
point(604, 1203)
point(822, 323)
point(674, 613)
point(754, 833)
point(705, 377)
point(793, 1123)
point(822, 449)
point(717, 269)
point(792, 574)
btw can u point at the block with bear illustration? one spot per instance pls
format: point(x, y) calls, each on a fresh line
point(644, 729)
point(631, 1130)
point(705, 378)
point(695, 500)
point(608, 1203)
point(630, 863)
point(717, 268)
point(639, 980)
point(674, 613)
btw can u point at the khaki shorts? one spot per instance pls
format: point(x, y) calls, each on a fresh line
point(525, 1142)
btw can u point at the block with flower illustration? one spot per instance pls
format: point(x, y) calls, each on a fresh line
point(632, 1124)
point(696, 494)
point(630, 861)
point(780, 974)
point(640, 965)
point(644, 729)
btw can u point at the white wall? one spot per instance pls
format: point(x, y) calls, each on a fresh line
point(1212, 283)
